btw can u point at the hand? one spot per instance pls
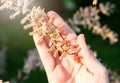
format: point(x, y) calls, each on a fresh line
point(67, 70)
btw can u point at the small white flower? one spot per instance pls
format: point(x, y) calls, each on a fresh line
point(27, 26)
point(95, 2)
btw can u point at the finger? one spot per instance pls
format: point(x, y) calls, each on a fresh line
point(46, 58)
point(88, 59)
point(59, 22)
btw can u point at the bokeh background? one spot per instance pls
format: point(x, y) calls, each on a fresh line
point(15, 42)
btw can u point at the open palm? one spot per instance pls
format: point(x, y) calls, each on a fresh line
point(67, 70)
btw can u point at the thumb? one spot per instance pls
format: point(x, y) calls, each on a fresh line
point(89, 60)
point(84, 48)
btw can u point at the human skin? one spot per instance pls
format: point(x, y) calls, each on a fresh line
point(67, 70)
